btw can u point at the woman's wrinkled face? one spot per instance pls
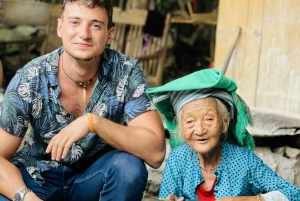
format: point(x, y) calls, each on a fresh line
point(202, 125)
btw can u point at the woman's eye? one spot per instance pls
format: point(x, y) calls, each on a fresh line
point(209, 120)
point(189, 121)
point(189, 124)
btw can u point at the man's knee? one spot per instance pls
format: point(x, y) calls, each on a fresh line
point(3, 198)
point(129, 167)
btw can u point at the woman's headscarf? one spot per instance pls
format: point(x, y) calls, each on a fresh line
point(171, 97)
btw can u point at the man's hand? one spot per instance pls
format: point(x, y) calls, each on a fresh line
point(62, 142)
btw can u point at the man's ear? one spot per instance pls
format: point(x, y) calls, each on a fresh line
point(111, 35)
point(59, 26)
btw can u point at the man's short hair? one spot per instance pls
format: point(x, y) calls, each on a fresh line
point(107, 4)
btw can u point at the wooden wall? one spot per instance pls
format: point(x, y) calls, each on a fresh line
point(266, 60)
point(15, 13)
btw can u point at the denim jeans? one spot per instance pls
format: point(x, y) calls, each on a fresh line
point(116, 176)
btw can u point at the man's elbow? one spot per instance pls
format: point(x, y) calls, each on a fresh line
point(157, 159)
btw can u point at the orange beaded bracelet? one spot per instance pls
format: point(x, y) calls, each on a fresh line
point(91, 124)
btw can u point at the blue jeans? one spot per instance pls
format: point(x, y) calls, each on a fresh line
point(115, 176)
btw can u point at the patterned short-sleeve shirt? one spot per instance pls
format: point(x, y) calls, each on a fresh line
point(32, 98)
point(240, 173)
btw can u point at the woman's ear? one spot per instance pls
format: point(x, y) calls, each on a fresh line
point(226, 124)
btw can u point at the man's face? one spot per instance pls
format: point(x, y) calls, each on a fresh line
point(84, 31)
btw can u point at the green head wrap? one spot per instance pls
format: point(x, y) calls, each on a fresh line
point(213, 80)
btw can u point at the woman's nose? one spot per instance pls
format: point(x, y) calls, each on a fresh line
point(199, 128)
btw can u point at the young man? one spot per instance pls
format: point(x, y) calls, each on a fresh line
point(77, 100)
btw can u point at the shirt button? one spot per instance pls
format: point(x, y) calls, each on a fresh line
point(216, 190)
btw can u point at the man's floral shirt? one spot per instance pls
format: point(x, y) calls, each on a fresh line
point(32, 98)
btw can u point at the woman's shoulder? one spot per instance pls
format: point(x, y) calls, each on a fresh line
point(234, 148)
point(181, 152)
point(183, 158)
point(182, 148)
point(234, 152)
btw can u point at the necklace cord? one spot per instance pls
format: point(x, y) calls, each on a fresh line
point(208, 168)
point(83, 85)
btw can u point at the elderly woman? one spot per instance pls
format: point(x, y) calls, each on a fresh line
point(211, 157)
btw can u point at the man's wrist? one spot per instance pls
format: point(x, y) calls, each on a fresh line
point(31, 196)
point(19, 196)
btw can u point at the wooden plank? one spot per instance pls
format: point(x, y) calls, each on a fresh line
point(232, 46)
point(279, 75)
point(196, 19)
point(151, 58)
point(52, 40)
point(55, 10)
point(126, 16)
point(24, 13)
point(243, 66)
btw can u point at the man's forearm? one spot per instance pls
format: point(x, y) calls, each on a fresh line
point(141, 141)
point(143, 137)
point(11, 181)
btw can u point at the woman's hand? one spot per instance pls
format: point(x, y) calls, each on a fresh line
point(62, 141)
point(241, 198)
point(173, 197)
